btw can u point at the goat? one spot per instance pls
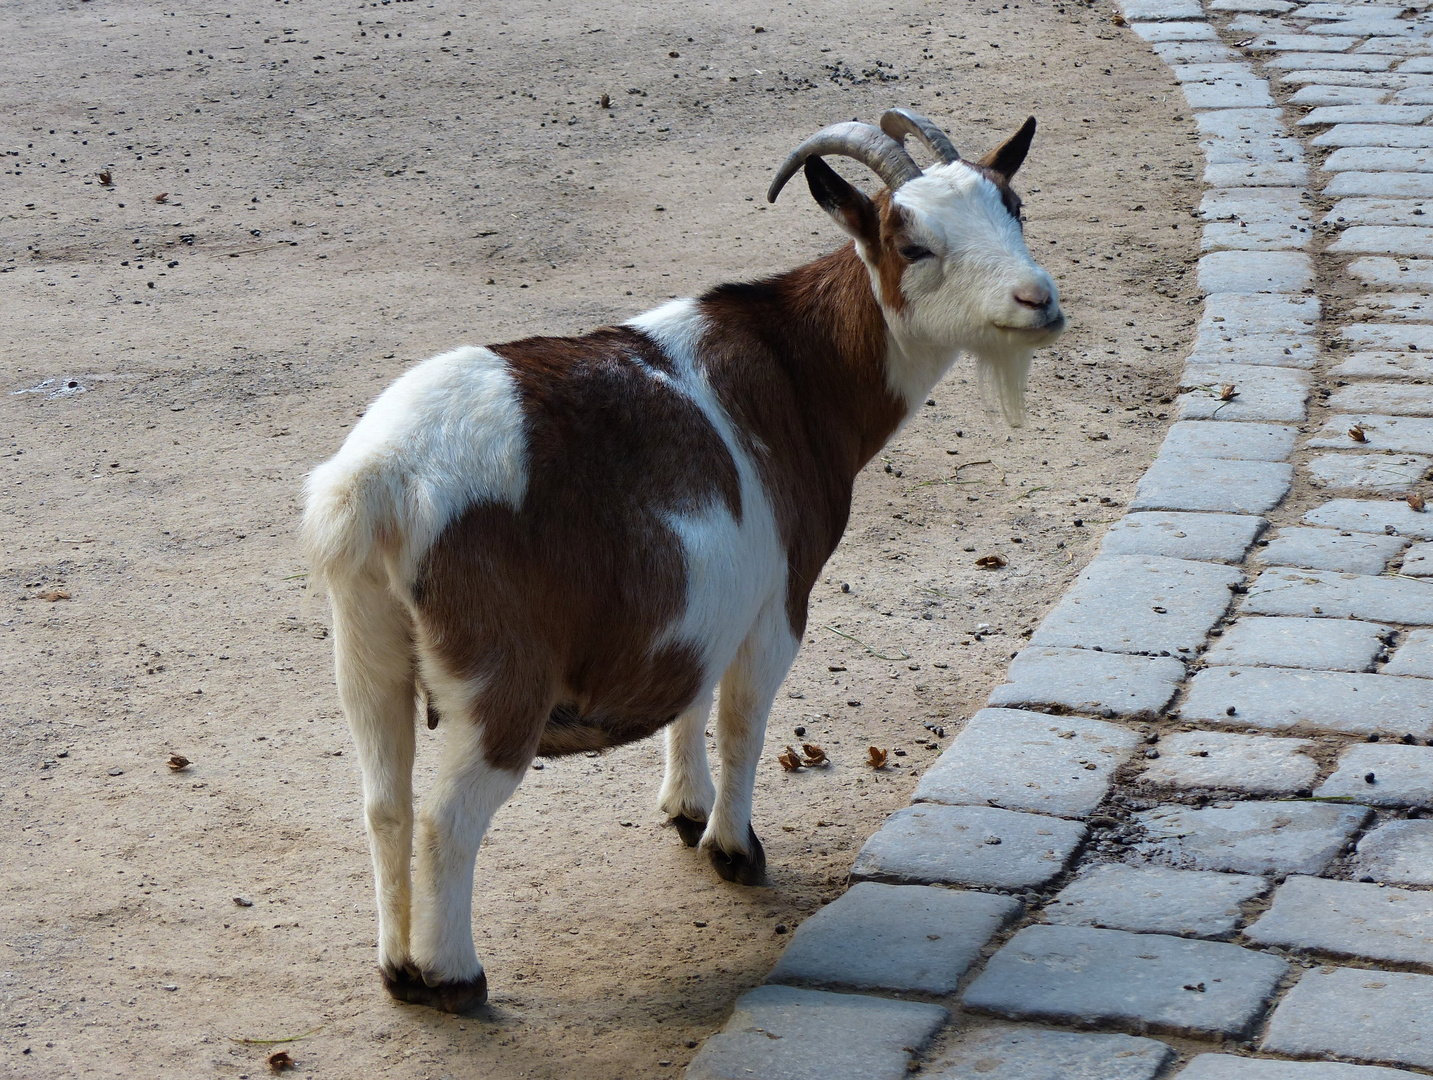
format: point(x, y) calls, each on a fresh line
point(566, 544)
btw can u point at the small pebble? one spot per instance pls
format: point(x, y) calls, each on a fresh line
point(1151, 753)
point(1369, 778)
point(243, 901)
point(1230, 711)
point(116, 772)
point(781, 928)
point(698, 922)
point(800, 730)
point(691, 1044)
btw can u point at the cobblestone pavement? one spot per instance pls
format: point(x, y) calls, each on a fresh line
point(1188, 838)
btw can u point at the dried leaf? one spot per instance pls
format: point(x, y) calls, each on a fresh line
point(105, 178)
point(163, 196)
point(790, 760)
point(1356, 434)
point(604, 102)
point(878, 757)
point(1415, 500)
point(1119, 20)
point(1244, 44)
point(177, 762)
point(55, 594)
point(279, 1060)
point(814, 754)
point(1227, 392)
point(991, 562)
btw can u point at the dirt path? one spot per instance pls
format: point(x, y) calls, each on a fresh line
point(348, 188)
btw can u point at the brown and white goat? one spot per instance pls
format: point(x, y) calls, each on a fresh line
point(567, 544)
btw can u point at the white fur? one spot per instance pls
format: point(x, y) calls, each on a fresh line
point(375, 684)
point(733, 567)
point(447, 435)
point(687, 789)
point(736, 580)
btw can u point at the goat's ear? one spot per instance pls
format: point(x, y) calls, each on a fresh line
point(848, 207)
point(1007, 158)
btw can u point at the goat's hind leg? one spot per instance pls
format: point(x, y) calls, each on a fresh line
point(687, 790)
point(373, 662)
point(454, 816)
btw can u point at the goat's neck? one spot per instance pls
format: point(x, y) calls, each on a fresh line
point(865, 377)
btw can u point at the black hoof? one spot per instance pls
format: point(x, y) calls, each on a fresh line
point(743, 868)
point(689, 829)
point(450, 997)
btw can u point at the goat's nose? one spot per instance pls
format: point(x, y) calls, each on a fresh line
point(1032, 296)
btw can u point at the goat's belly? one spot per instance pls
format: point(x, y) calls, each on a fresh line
point(614, 704)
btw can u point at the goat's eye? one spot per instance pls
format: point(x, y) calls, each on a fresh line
point(915, 253)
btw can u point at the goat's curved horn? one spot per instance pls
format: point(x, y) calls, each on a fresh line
point(868, 144)
point(898, 123)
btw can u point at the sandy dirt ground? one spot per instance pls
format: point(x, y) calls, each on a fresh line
point(307, 197)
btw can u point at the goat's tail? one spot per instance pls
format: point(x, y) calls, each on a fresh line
point(351, 519)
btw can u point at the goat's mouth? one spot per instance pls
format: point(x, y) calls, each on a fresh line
point(1054, 324)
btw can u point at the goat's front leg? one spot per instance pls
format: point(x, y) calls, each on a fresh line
point(687, 790)
point(747, 690)
point(451, 823)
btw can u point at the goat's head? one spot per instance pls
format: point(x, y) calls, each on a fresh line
point(944, 248)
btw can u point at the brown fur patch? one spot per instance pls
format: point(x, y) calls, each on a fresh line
point(800, 365)
point(558, 603)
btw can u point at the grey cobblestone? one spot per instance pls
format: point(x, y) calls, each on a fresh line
point(1286, 699)
point(1369, 472)
point(785, 1033)
point(1323, 644)
point(1415, 653)
point(1258, 350)
point(1134, 603)
point(1366, 159)
point(1390, 399)
point(1259, 313)
point(1080, 975)
point(1402, 775)
point(1378, 1016)
point(1332, 549)
point(1261, 392)
point(1374, 135)
point(1395, 273)
point(1249, 764)
point(1376, 365)
point(1346, 918)
point(1279, 591)
point(1030, 1054)
point(1400, 853)
point(1090, 681)
point(1161, 10)
point(1413, 337)
point(1394, 184)
point(1368, 114)
point(1028, 761)
point(1211, 439)
point(1229, 485)
point(1249, 837)
point(1156, 900)
point(1229, 1067)
point(1418, 562)
point(976, 846)
point(1209, 537)
point(1381, 240)
point(1255, 272)
point(1398, 433)
point(894, 937)
point(1314, 61)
